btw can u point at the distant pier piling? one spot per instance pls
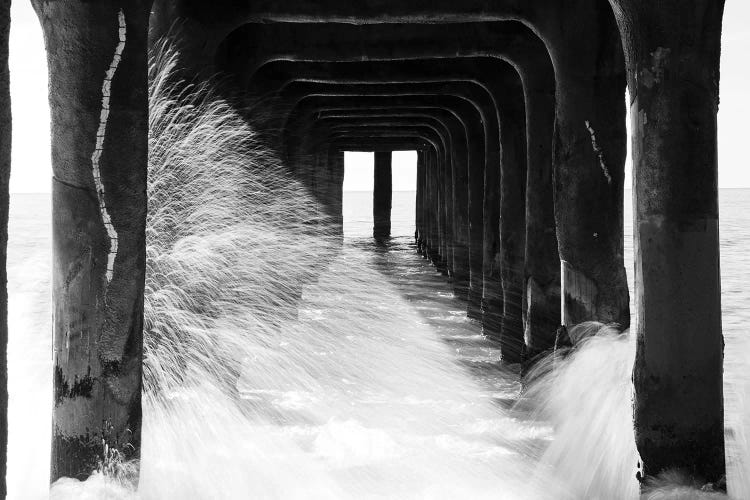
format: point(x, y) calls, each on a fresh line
point(382, 195)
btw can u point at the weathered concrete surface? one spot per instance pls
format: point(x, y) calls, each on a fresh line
point(673, 72)
point(97, 56)
point(589, 158)
point(419, 215)
point(5, 145)
point(382, 196)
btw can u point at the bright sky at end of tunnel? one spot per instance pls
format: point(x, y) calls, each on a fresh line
point(31, 169)
point(359, 171)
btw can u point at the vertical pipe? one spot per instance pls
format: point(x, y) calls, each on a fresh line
point(5, 145)
point(382, 196)
point(97, 57)
point(673, 70)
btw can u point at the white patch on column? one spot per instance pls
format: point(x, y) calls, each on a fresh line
point(599, 152)
point(101, 132)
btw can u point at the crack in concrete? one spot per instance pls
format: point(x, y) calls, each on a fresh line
point(100, 134)
point(599, 152)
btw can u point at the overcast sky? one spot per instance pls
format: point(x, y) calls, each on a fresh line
point(31, 144)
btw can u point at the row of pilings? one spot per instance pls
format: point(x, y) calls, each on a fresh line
point(517, 110)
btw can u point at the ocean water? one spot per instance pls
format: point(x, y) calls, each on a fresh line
point(525, 450)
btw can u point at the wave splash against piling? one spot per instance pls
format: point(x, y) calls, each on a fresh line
point(280, 364)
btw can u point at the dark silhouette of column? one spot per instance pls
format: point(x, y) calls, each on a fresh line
point(5, 140)
point(673, 74)
point(97, 57)
point(382, 196)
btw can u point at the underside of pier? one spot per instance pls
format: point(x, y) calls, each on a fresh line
point(517, 111)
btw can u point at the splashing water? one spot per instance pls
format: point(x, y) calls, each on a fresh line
point(280, 364)
point(283, 364)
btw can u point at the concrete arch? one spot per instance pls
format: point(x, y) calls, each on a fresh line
point(510, 254)
point(509, 41)
point(298, 91)
point(463, 121)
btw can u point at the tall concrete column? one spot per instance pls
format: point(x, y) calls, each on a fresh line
point(419, 212)
point(541, 314)
point(97, 57)
point(446, 212)
point(512, 244)
point(672, 51)
point(336, 188)
point(475, 194)
point(5, 144)
point(434, 210)
point(382, 195)
point(442, 166)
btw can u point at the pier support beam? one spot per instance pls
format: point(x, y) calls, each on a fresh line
point(382, 196)
point(5, 144)
point(673, 73)
point(97, 57)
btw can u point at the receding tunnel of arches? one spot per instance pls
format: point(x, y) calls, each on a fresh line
point(390, 236)
point(379, 206)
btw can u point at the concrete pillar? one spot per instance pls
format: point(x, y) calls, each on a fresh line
point(336, 188)
point(5, 143)
point(428, 205)
point(443, 170)
point(589, 159)
point(512, 230)
point(542, 275)
point(475, 195)
point(97, 57)
point(434, 210)
point(673, 70)
point(419, 217)
point(382, 196)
